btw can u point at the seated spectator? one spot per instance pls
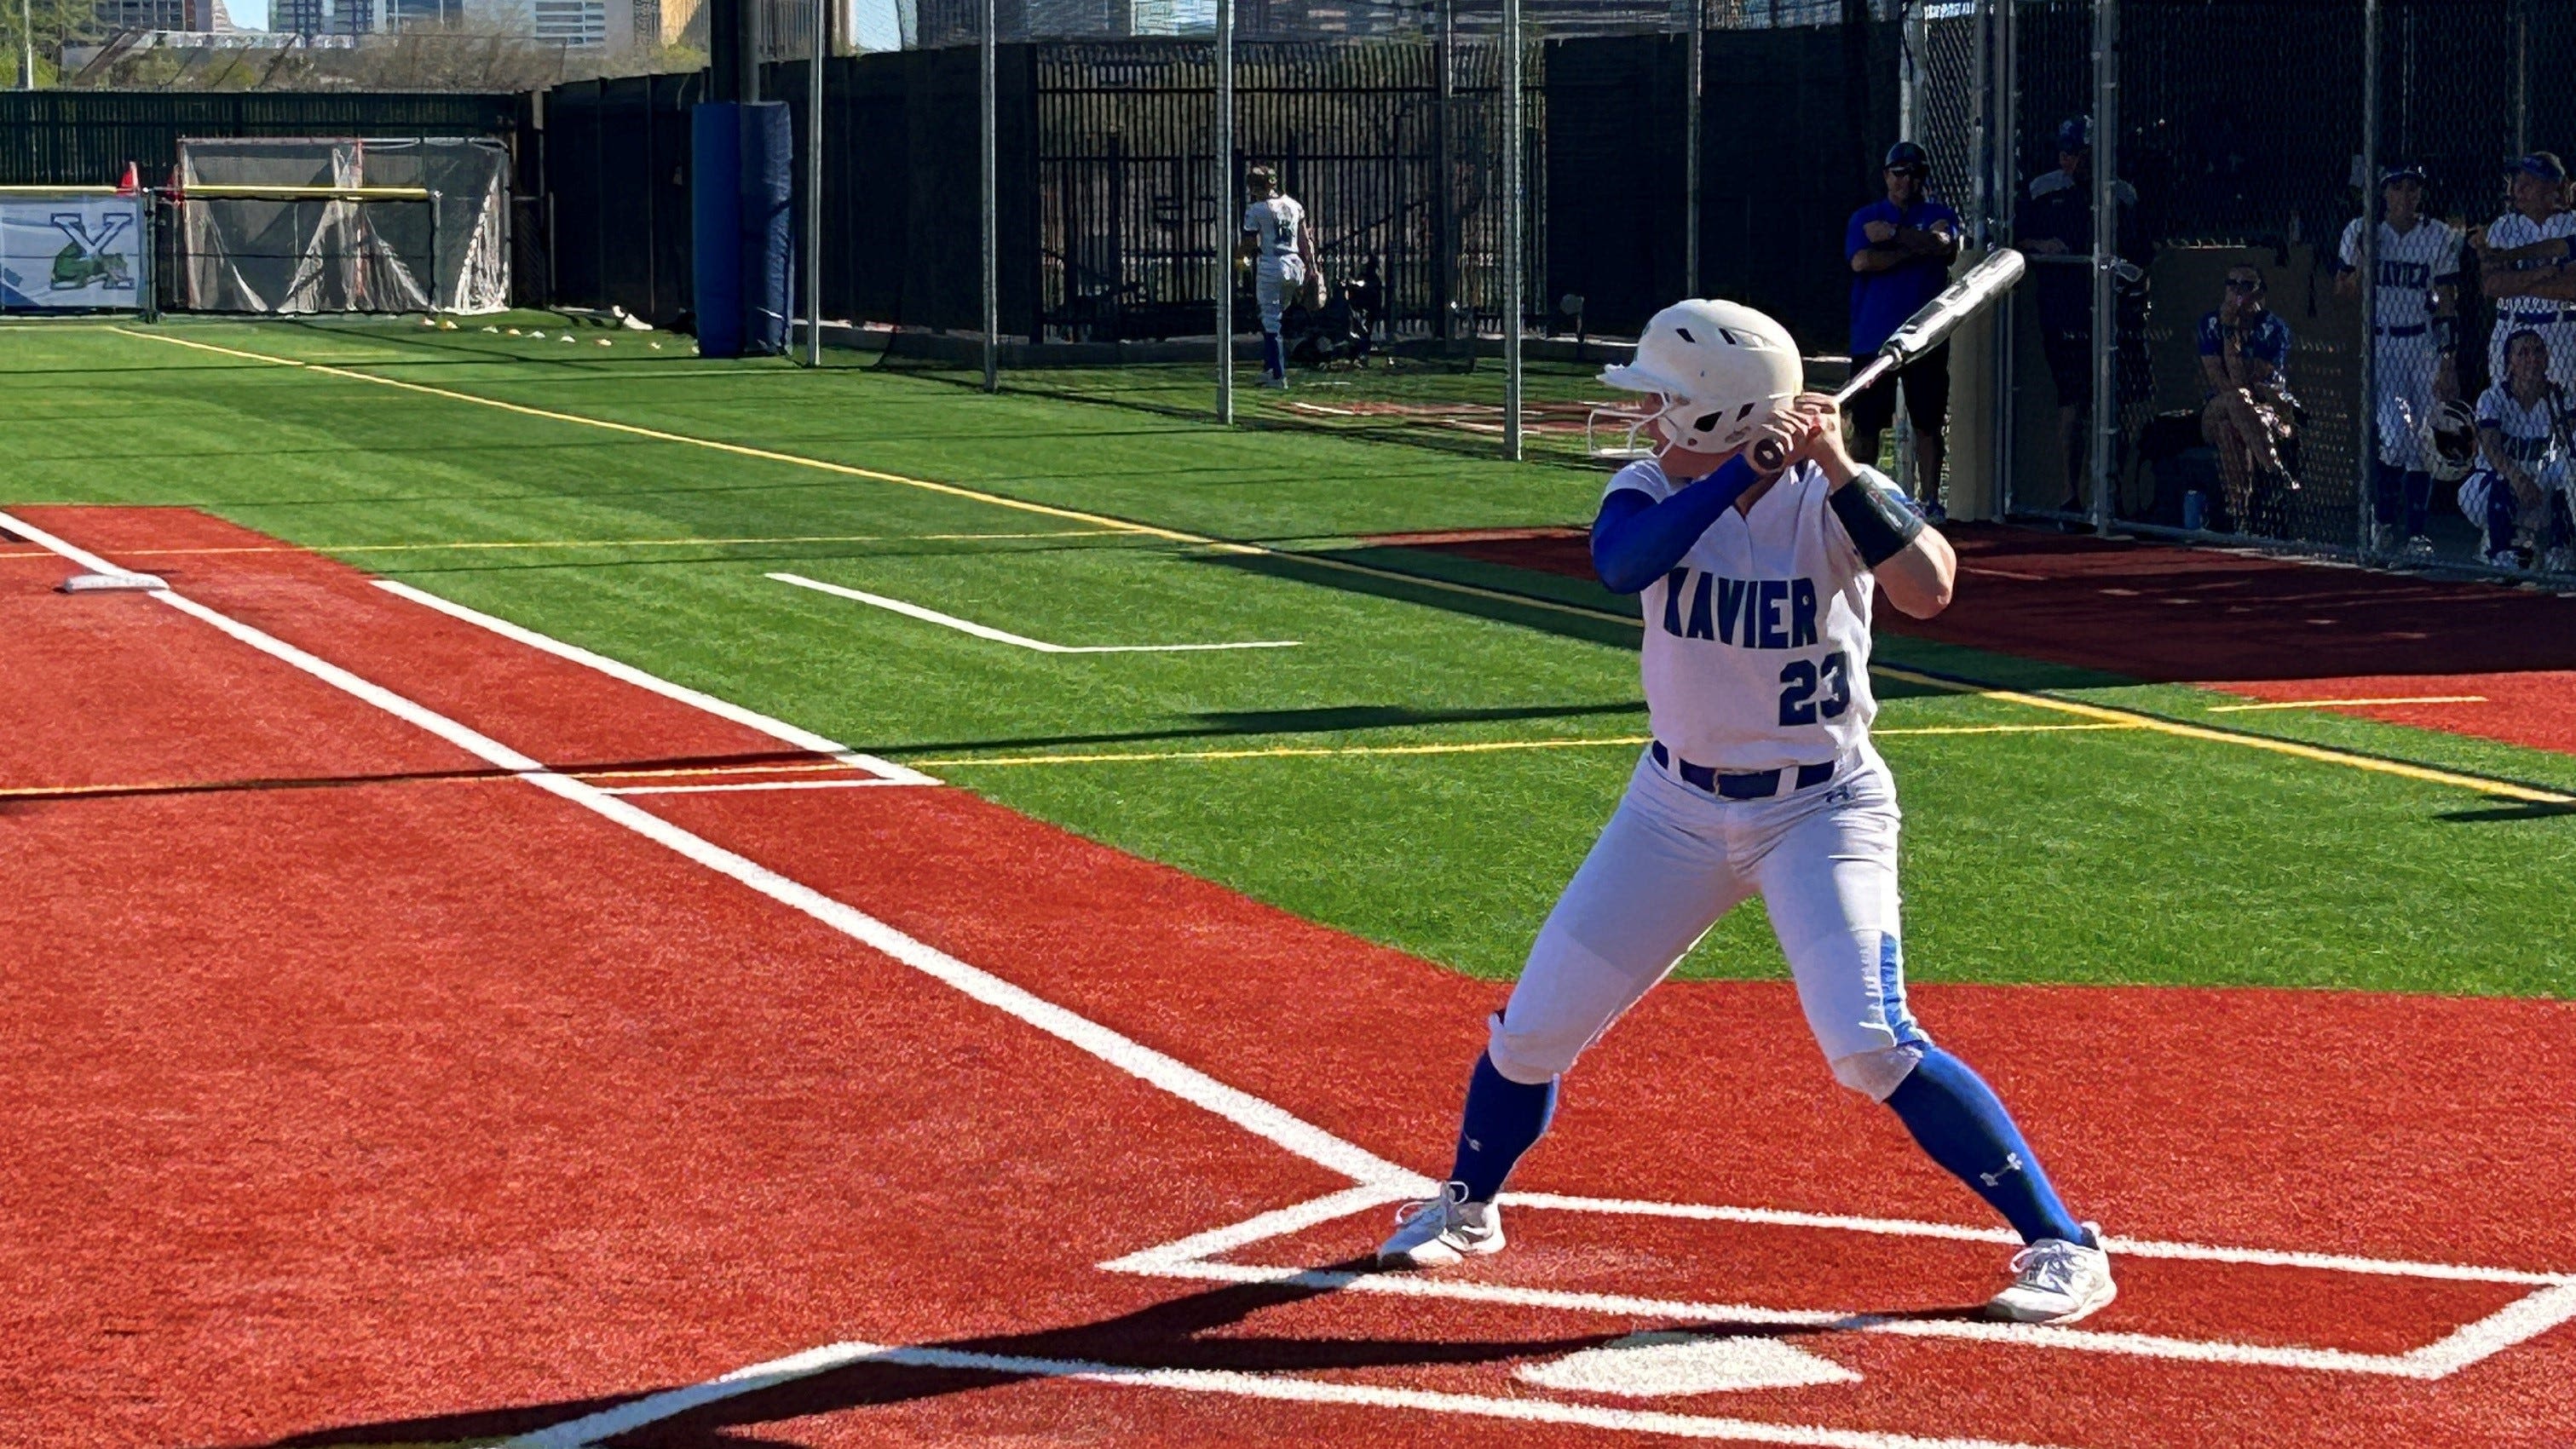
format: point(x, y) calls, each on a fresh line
point(2520, 495)
point(2249, 413)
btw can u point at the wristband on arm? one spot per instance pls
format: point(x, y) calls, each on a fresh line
point(1880, 525)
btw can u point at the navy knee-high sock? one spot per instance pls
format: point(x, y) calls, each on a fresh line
point(2503, 512)
point(1503, 1119)
point(2419, 501)
point(2387, 483)
point(1274, 356)
point(1964, 1127)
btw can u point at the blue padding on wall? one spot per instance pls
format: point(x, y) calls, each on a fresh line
point(716, 226)
point(768, 202)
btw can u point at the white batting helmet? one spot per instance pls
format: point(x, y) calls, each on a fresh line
point(1718, 369)
point(2451, 442)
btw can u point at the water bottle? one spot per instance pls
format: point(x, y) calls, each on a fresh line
point(2192, 510)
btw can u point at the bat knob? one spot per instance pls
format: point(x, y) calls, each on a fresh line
point(1769, 454)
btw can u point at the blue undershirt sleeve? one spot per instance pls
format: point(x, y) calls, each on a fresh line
point(1636, 539)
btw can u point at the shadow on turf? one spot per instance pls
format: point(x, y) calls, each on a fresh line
point(1189, 403)
point(2533, 810)
point(1178, 1333)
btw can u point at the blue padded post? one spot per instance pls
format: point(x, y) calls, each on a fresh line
point(716, 226)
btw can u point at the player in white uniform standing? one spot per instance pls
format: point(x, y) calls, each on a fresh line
point(2524, 261)
point(2413, 353)
point(1281, 251)
point(1761, 781)
point(2520, 494)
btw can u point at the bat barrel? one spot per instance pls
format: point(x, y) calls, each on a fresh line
point(1923, 331)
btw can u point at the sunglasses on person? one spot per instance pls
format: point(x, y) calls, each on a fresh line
point(2245, 284)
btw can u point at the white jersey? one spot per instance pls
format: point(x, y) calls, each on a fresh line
point(2511, 230)
point(2411, 264)
point(1275, 224)
point(1757, 642)
point(2528, 432)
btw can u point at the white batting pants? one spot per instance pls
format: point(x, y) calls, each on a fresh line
point(2402, 373)
point(2560, 332)
point(1671, 862)
point(1275, 284)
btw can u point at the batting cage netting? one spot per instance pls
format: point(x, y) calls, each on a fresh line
point(300, 225)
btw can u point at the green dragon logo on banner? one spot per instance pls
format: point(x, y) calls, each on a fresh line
point(88, 262)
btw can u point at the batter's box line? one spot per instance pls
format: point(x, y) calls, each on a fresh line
point(2551, 1303)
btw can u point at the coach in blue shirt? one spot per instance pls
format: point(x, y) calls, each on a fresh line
point(1900, 250)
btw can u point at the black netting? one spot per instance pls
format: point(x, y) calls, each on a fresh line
point(2238, 154)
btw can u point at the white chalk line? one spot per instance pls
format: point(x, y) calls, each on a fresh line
point(1377, 1180)
point(627, 1417)
point(777, 729)
point(1004, 636)
point(2525, 1318)
point(1188, 1083)
point(727, 789)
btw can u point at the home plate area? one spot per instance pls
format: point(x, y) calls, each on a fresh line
point(1747, 1300)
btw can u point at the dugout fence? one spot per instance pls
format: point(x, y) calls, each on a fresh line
point(2249, 138)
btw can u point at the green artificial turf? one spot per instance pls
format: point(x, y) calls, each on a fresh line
point(2074, 856)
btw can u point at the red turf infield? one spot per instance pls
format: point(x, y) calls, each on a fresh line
point(2266, 628)
point(419, 1111)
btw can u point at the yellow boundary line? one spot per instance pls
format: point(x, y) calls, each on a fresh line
point(2425, 774)
point(2319, 754)
point(738, 450)
point(798, 767)
point(1475, 747)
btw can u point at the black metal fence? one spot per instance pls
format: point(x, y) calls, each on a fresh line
point(614, 194)
point(85, 138)
point(1388, 143)
point(1111, 228)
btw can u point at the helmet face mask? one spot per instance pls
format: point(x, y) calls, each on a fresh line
point(1714, 371)
point(1628, 420)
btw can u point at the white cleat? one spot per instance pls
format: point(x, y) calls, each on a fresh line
point(2056, 1281)
point(1442, 1230)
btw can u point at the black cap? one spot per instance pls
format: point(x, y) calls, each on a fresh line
point(1906, 156)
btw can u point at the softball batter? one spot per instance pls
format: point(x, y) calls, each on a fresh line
point(1761, 781)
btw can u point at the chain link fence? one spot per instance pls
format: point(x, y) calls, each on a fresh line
point(1468, 243)
point(2280, 250)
